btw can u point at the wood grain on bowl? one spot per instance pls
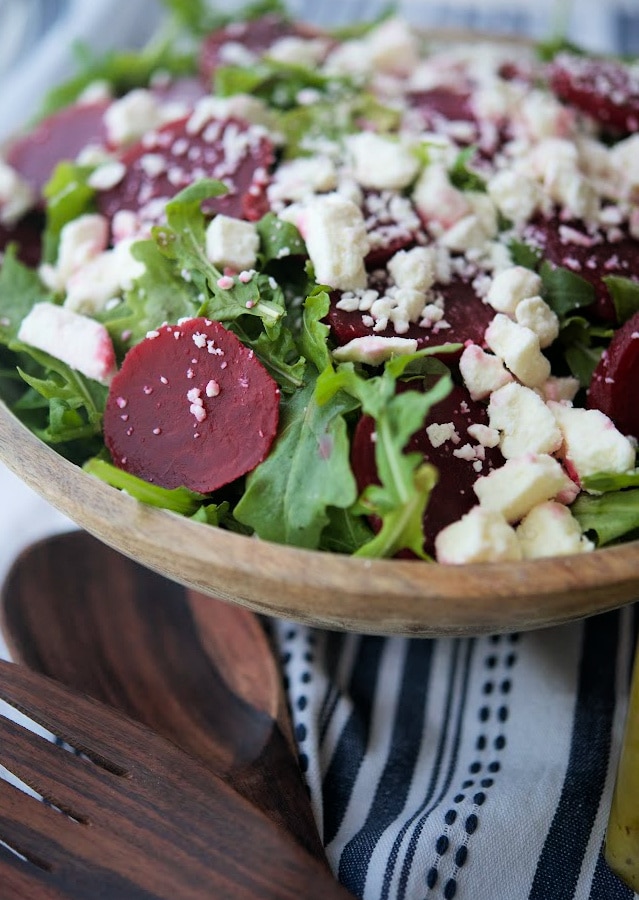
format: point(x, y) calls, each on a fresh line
point(401, 597)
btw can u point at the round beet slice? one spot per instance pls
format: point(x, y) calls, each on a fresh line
point(587, 253)
point(27, 236)
point(614, 382)
point(466, 315)
point(60, 136)
point(191, 406)
point(162, 164)
point(460, 460)
point(605, 89)
point(254, 35)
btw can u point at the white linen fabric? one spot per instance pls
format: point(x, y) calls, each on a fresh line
point(478, 768)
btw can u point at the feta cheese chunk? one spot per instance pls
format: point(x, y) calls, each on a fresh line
point(81, 240)
point(82, 343)
point(336, 240)
point(519, 348)
point(534, 313)
point(520, 484)
point(510, 287)
point(374, 350)
point(591, 442)
point(516, 196)
point(297, 179)
point(16, 195)
point(550, 529)
point(480, 536)
point(232, 243)
point(482, 372)
point(131, 116)
point(381, 163)
point(524, 421)
point(413, 268)
point(437, 200)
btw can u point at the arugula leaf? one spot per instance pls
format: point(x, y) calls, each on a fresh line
point(625, 296)
point(277, 83)
point(178, 500)
point(123, 70)
point(278, 239)
point(462, 176)
point(360, 29)
point(406, 481)
point(160, 294)
point(611, 481)
point(345, 532)
point(313, 339)
point(563, 290)
point(20, 290)
point(287, 497)
point(611, 516)
point(578, 337)
point(199, 18)
point(523, 254)
point(547, 50)
point(68, 196)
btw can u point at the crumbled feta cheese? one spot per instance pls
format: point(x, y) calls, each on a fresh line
point(534, 313)
point(519, 348)
point(559, 388)
point(482, 372)
point(381, 163)
point(131, 116)
point(238, 106)
point(437, 200)
point(413, 268)
point(81, 240)
point(299, 51)
point(480, 536)
point(540, 115)
point(107, 175)
point(520, 484)
point(296, 179)
point(483, 434)
point(232, 243)
point(373, 349)
point(550, 529)
point(80, 342)
point(440, 432)
point(16, 195)
point(510, 286)
point(104, 277)
point(393, 46)
point(524, 421)
point(466, 234)
point(336, 240)
point(591, 442)
point(516, 196)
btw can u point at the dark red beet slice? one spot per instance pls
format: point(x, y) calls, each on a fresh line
point(392, 224)
point(442, 104)
point(466, 314)
point(590, 255)
point(191, 407)
point(613, 388)
point(605, 89)
point(229, 150)
point(61, 136)
point(27, 235)
point(256, 35)
point(453, 495)
point(180, 90)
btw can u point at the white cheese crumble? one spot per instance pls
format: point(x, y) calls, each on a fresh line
point(374, 350)
point(482, 535)
point(524, 421)
point(16, 195)
point(336, 239)
point(232, 243)
point(520, 484)
point(591, 442)
point(550, 529)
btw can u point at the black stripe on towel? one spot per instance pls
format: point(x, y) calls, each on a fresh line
point(342, 772)
point(562, 856)
point(395, 781)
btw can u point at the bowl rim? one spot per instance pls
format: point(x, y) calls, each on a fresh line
point(381, 596)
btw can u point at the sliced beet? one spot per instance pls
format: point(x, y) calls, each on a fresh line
point(180, 90)
point(442, 104)
point(392, 225)
point(27, 235)
point(589, 254)
point(614, 383)
point(159, 166)
point(60, 136)
point(605, 89)
point(466, 314)
point(191, 407)
point(453, 494)
point(254, 35)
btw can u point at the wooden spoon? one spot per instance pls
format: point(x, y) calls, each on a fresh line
point(196, 670)
point(133, 817)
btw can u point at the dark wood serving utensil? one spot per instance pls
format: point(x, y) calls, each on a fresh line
point(196, 670)
point(135, 817)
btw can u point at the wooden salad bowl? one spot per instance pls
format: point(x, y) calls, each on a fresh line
point(387, 597)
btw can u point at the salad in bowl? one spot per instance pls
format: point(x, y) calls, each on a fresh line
point(372, 292)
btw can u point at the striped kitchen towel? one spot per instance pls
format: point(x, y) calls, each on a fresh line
point(478, 768)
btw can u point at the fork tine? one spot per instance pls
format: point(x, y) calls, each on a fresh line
point(42, 699)
point(60, 777)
